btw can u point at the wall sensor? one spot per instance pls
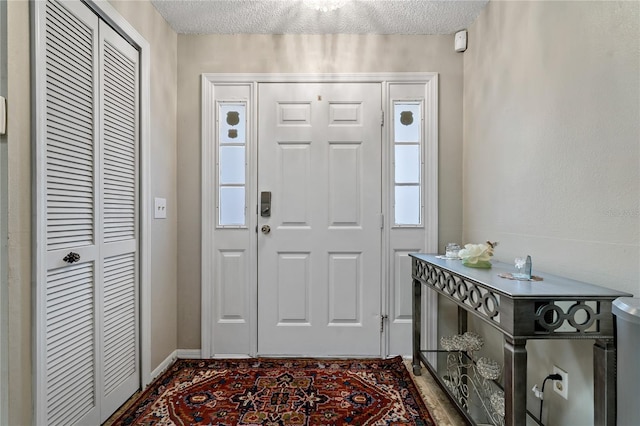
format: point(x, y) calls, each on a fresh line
point(461, 41)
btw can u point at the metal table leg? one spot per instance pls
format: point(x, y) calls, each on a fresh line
point(515, 387)
point(417, 322)
point(604, 382)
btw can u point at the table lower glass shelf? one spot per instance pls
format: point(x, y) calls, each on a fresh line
point(472, 386)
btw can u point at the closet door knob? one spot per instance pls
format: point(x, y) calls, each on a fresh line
point(71, 258)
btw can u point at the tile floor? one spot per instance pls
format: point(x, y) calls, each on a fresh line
point(437, 402)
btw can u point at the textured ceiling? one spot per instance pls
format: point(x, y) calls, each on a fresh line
point(298, 17)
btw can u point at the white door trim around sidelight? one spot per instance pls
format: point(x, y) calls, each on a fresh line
point(212, 81)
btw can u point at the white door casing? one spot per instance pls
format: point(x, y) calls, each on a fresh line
point(404, 239)
point(4, 317)
point(230, 300)
point(319, 265)
point(89, 125)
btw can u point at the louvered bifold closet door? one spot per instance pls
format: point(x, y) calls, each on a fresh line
point(67, 382)
point(119, 137)
point(86, 160)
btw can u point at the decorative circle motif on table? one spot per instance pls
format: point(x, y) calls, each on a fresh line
point(462, 290)
point(421, 271)
point(490, 304)
point(557, 316)
point(551, 316)
point(451, 285)
point(437, 280)
point(475, 297)
point(590, 316)
point(433, 275)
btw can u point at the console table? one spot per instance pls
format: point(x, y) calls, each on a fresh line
point(555, 308)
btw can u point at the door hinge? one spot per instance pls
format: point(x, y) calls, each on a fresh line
point(381, 221)
point(381, 118)
point(382, 319)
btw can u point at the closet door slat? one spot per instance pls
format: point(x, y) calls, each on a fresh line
point(70, 345)
point(120, 141)
point(119, 320)
point(70, 57)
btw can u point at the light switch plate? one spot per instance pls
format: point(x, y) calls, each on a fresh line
point(3, 115)
point(160, 208)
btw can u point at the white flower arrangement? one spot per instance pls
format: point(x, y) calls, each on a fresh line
point(477, 255)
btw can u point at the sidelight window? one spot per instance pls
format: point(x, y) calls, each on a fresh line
point(232, 171)
point(407, 163)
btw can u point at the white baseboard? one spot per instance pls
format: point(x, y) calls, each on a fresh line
point(185, 354)
point(177, 354)
point(189, 353)
point(232, 356)
point(164, 365)
point(197, 354)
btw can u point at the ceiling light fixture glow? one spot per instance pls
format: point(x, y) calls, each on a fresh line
point(325, 5)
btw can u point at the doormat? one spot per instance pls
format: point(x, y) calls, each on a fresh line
point(282, 392)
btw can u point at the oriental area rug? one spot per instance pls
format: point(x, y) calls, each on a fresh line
point(281, 392)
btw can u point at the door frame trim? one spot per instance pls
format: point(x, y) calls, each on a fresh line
point(208, 224)
point(4, 317)
point(108, 13)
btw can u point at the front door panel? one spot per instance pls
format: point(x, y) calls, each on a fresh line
point(319, 246)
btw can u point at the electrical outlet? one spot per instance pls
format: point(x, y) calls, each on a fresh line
point(561, 386)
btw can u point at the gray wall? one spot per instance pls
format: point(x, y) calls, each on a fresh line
point(551, 156)
point(303, 54)
point(163, 42)
point(550, 164)
point(19, 213)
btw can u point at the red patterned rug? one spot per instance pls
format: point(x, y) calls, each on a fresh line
point(282, 392)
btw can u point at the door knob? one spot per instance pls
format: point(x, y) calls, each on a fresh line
point(266, 229)
point(71, 258)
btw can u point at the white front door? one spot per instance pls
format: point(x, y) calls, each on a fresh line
point(319, 242)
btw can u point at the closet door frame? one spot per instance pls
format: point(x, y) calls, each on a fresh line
point(4, 341)
point(107, 13)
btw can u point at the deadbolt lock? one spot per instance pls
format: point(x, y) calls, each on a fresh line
point(265, 204)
